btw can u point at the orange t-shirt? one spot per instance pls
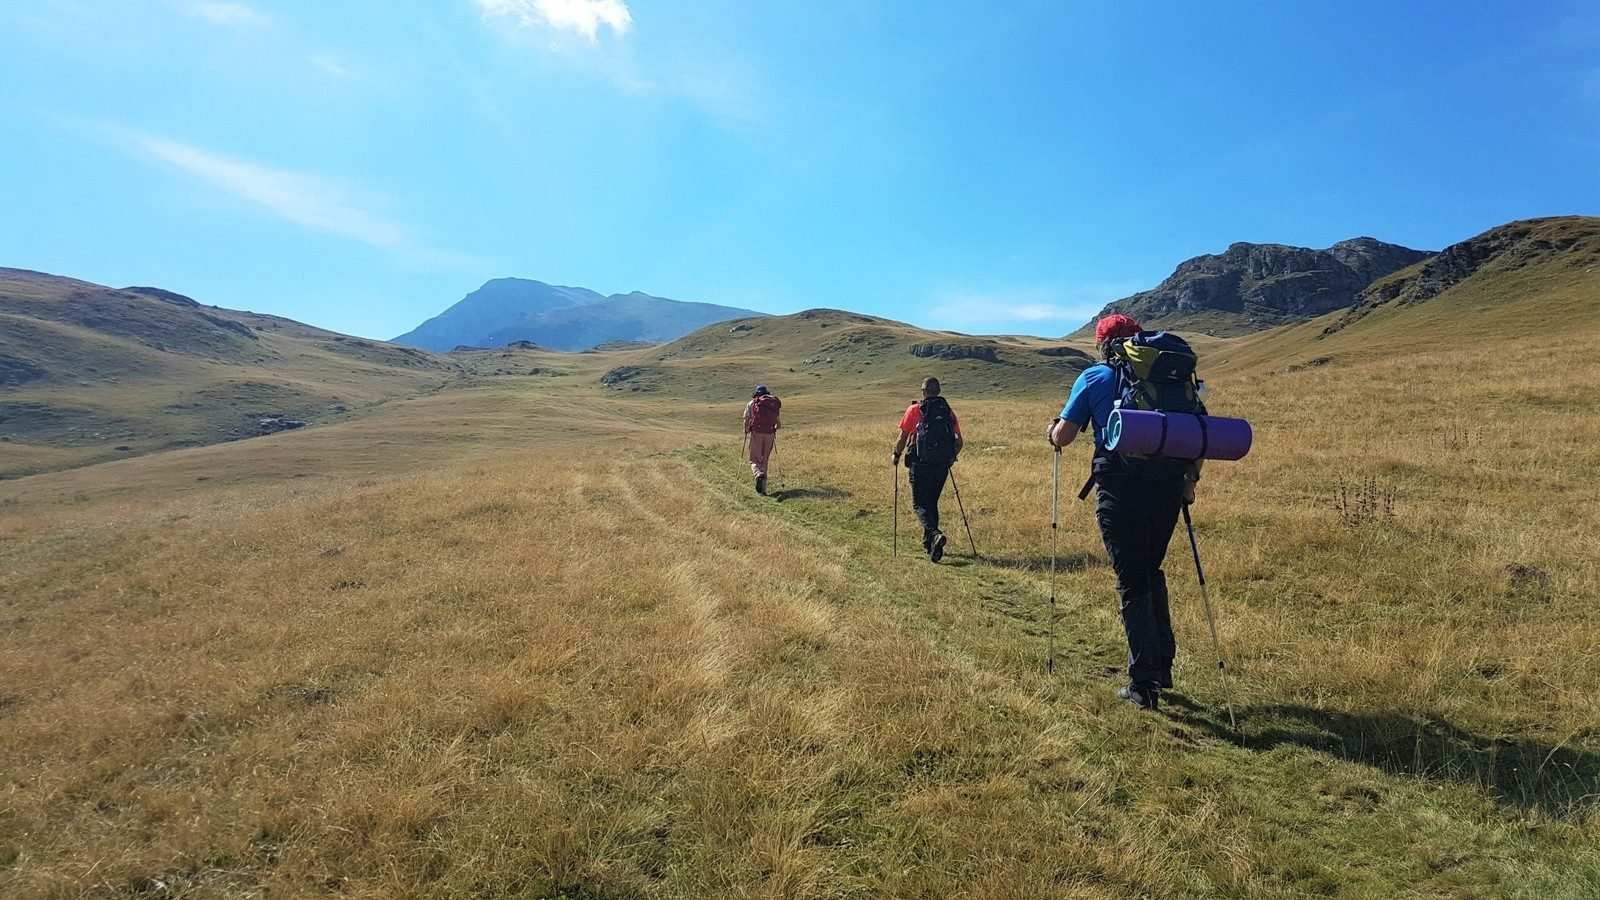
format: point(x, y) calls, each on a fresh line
point(913, 418)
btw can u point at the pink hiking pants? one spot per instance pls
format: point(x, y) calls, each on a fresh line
point(761, 451)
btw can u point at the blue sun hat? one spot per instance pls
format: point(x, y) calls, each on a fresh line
point(760, 389)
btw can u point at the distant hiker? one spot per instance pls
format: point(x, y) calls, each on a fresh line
point(1139, 497)
point(929, 426)
point(761, 425)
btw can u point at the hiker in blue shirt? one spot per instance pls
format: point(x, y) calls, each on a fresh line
point(1137, 508)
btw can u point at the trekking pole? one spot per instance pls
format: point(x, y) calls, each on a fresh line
point(894, 475)
point(1055, 505)
point(964, 522)
point(1210, 619)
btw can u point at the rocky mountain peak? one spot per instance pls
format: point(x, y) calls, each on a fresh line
point(1253, 286)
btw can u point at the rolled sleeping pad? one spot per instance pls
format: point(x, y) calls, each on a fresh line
point(1177, 435)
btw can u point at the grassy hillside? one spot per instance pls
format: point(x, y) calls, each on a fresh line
point(89, 373)
point(535, 636)
point(833, 353)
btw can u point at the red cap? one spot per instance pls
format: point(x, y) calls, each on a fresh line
point(1115, 325)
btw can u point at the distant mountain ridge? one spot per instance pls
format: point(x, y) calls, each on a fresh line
point(563, 318)
point(1250, 287)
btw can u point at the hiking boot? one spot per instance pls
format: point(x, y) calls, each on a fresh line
point(761, 484)
point(936, 548)
point(1140, 696)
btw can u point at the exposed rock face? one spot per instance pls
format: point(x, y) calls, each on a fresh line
point(620, 374)
point(271, 424)
point(1256, 286)
point(1510, 246)
point(609, 346)
point(1071, 353)
point(160, 294)
point(985, 352)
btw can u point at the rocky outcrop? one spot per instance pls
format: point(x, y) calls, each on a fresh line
point(620, 374)
point(611, 346)
point(272, 424)
point(1070, 353)
point(1254, 286)
point(940, 350)
point(160, 294)
point(1510, 246)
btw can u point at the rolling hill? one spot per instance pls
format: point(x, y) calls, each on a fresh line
point(88, 373)
point(1255, 286)
point(563, 318)
point(833, 351)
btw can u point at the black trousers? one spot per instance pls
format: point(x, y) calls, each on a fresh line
point(1137, 514)
point(927, 482)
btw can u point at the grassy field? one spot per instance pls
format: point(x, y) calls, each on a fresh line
point(532, 636)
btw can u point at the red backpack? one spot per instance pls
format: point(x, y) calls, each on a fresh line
point(764, 414)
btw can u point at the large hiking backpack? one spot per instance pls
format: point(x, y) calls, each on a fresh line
point(936, 433)
point(764, 414)
point(1155, 371)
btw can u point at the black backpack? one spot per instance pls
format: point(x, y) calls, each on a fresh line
point(936, 433)
point(1155, 370)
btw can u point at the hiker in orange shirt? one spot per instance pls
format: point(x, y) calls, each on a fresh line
point(929, 426)
point(761, 424)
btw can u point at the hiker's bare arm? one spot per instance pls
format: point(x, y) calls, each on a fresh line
point(1189, 481)
point(900, 446)
point(1064, 432)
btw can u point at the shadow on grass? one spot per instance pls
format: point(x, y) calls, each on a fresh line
point(1066, 562)
point(1555, 780)
point(821, 493)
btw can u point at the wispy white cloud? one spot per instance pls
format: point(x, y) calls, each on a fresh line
point(1052, 309)
point(228, 14)
point(711, 79)
point(583, 17)
point(311, 201)
point(329, 65)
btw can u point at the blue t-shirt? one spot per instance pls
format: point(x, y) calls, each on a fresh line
point(1094, 396)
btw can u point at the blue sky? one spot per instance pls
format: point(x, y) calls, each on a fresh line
point(978, 166)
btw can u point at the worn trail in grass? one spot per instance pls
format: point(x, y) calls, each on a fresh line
point(1283, 806)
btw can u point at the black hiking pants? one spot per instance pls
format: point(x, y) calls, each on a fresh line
point(927, 482)
point(1137, 515)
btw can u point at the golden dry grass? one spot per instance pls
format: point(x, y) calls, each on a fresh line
point(529, 637)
